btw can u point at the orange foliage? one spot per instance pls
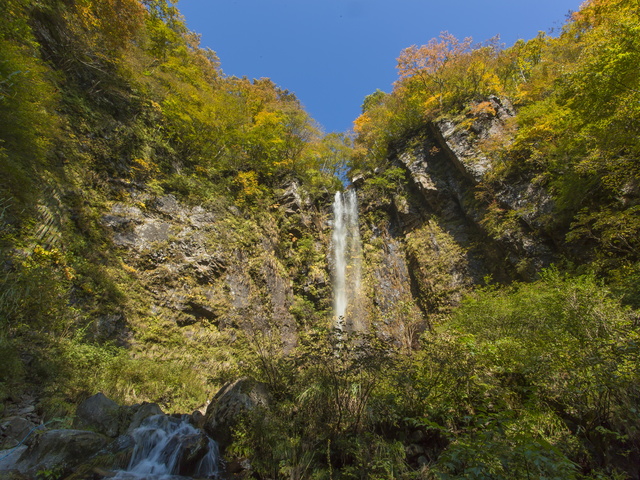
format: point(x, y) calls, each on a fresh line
point(430, 58)
point(482, 108)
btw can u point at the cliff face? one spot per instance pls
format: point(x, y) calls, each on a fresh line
point(222, 267)
point(446, 228)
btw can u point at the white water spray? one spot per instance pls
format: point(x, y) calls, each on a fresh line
point(347, 253)
point(165, 446)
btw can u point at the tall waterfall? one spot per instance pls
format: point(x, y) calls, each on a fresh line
point(347, 253)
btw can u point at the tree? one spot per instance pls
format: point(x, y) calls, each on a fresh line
point(427, 64)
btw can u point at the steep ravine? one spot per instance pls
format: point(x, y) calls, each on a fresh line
point(424, 244)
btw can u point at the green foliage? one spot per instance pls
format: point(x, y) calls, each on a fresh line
point(36, 294)
point(575, 131)
point(437, 262)
point(322, 419)
point(106, 100)
point(503, 449)
point(99, 99)
point(12, 374)
point(27, 100)
point(564, 343)
point(535, 380)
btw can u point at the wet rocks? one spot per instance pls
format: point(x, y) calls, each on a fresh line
point(100, 414)
point(13, 430)
point(105, 440)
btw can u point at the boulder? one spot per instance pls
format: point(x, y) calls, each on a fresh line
point(9, 458)
point(140, 413)
point(13, 430)
point(60, 451)
point(116, 456)
point(98, 413)
point(231, 402)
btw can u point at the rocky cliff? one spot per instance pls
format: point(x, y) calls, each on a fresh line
point(436, 228)
point(428, 237)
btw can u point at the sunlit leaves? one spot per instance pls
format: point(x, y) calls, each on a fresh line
point(427, 61)
point(117, 21)
point(564, 343)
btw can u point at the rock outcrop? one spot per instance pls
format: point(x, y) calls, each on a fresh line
point(101, 414)
point(214, 266)
point(439, 232)
point(231, 402)
point(60, 451)
point(446, 167)
point(98, 413)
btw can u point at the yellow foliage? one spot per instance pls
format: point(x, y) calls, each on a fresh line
point(492, 83)
point(52, 256)
point(360, 124)
point(248, 183)
point(144, 168)
point(114, 21)
point(286, 163)
point(266, 118)
point(432, 104)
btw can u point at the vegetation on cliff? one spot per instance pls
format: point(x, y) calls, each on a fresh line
point(574, 135)
point(111, 104)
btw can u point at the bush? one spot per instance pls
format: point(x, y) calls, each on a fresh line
point(563, 344)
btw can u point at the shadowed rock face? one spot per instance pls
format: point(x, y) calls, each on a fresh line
point(60, 449)
point(432, 238)
point(98, 413)
point(230, 403)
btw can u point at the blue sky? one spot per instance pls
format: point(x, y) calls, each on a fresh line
point(332, 53)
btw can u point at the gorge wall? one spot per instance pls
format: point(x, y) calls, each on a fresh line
point(426, 241)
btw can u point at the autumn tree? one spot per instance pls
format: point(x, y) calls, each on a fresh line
point(427, 65)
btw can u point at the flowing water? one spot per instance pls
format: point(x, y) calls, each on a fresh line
point(347, 253)
point(167, 447)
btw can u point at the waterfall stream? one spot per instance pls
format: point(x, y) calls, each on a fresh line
point(347, 253)
point(166, 447)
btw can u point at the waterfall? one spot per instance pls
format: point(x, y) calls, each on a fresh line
point(347, 253)
point(166, 446)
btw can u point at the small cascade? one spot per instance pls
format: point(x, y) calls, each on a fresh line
point(347, 253)
point(168, 446)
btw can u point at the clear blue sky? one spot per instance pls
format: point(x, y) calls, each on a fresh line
point(332, 53)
